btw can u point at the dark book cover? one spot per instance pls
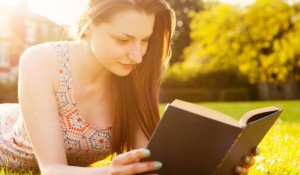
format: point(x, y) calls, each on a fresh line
point(250, 138)
point(189, 144)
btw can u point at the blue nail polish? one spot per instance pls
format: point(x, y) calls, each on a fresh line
point(157, 165)
point(146, 152)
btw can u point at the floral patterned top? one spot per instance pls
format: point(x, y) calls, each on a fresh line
point(84, 143)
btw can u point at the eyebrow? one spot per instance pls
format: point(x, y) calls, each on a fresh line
point(132, 37)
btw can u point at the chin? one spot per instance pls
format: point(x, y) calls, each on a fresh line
point(122, 74)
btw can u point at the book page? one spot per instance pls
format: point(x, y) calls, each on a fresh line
point(205, 112)
point(247, 116)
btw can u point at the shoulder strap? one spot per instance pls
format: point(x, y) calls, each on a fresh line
point(65, 89)
point(62, 49)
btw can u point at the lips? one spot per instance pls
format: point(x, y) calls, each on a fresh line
point(127, 66)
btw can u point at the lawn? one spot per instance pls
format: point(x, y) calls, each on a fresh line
point(280, 149)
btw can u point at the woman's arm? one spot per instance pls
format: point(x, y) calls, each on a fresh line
point(39, 106)
point(37, 76)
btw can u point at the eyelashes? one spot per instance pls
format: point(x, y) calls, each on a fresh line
point(125, 41)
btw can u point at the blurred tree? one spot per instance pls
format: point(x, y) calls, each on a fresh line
point(262, 40)
point(181, 36)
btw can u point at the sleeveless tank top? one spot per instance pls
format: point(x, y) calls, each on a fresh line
point(84, 143)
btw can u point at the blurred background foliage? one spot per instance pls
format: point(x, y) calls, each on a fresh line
point(181, 37)
point(234, 47)
point(264, 36)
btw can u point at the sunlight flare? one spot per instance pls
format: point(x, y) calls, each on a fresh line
point(10, 2)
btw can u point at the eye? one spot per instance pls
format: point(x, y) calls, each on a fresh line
point(122, 40)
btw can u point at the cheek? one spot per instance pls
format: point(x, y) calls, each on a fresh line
point(105, 50)
point(117, 52)
point(97, 47)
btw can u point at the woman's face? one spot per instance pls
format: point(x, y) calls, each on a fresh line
point(121, 43)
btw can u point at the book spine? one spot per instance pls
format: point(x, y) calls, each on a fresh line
point(229, 150)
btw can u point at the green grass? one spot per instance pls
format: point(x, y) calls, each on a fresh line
point(280, 149)
point(4, 171)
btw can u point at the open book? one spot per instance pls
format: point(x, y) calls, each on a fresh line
point(194, 140)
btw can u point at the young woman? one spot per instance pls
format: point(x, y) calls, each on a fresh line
point(83, 100)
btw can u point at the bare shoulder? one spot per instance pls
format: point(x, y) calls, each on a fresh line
point(39, 55)
point(40, 61)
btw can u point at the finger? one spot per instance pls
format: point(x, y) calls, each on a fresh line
point(241, 170)
point(248, 161)
point(136, 168)
point(130, 157)
point(255, 151)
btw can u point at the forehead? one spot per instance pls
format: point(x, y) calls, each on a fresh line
point(131, 22)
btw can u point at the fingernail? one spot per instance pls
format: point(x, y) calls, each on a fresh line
point(237, 169)
point(157, 165)
point(146, 152)
point(247, 159)
point(256, 151)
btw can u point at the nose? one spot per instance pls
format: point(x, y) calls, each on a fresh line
point(136, 53)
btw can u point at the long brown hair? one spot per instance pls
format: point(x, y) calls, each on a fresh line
point(135, 98)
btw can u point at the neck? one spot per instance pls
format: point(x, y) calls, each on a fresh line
point(86, 69)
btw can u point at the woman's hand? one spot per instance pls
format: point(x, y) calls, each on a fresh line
point(248, 161)
point(128, 163)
